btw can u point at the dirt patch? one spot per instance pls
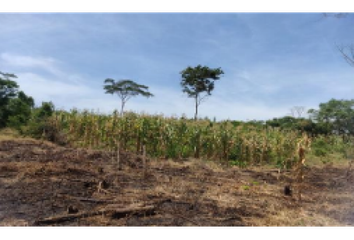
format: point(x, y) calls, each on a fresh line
point(43, 184)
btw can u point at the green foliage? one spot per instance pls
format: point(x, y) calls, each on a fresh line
point(320, 147)
point(283, 123)
point(336, 116)
point(238, 163)
point(15, 105)
point(39, 124)
point(8, 87)
point(46, 110)
point(300, 124)
point(19, 110)
point(198, 80)
point(8, 90)
point(331, 148)
point(125, 89)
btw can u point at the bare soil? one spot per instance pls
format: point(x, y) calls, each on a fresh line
point(42, 184)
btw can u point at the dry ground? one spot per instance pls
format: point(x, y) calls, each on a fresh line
point(44, 184)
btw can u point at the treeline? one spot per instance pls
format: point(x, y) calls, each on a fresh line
point(18, 110)
point(306, 125)
point(333, 117)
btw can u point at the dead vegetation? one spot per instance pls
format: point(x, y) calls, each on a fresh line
point(42, 184)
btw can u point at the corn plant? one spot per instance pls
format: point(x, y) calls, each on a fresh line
point(179, 138)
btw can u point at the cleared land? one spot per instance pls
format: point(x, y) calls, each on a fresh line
point(42, 184)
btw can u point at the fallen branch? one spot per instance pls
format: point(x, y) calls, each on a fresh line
point(138, 210)
point(93, 200)
point(64, 218)
point(109, 201)
point(116, 213)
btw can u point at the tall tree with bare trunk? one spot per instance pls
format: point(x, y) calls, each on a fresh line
point(198, 83)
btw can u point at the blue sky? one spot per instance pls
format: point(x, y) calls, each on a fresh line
point(272, 62)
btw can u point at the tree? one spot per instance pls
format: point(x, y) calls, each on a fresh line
point(45, 111)
point(347, 53)
point(297, 111)
point(336, 115)
point(198, 80)
point(40, 125)
point(125, 89)
point(299, 124)
point(8, 90)
point(287, 122)
point(19, 110)
point(8, 87)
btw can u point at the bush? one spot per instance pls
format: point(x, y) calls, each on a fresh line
point(238, 163)
point(41, 125)
point(320, 147)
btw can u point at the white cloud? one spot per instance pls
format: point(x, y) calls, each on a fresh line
point(77, 93)
point(238, 110)
point(28, 62)
point(241, 95)
point(46, 89)
point(64, 89)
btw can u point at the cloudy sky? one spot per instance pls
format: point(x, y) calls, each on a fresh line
point(272, 62)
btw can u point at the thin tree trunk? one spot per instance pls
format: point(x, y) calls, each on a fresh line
point(196, 108)
point(122, 109)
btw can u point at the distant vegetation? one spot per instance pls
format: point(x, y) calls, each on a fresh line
point(18, 111)
point(328, 129)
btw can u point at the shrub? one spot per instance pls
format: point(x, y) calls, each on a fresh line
point(320, 147)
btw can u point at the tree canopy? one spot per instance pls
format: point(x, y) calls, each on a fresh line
point(198, 80)
point(337, 115)
point(19, 110)
point(8, 87)
point(125, 89)
point(8, 90)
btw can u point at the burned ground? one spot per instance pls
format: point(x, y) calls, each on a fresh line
point(43, 184)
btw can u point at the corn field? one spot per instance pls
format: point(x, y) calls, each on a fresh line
point(179, 138)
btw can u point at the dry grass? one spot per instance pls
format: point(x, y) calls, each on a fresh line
point(39, 180)
point(8, 134)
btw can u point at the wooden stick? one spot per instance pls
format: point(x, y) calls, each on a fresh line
point(92, 200)
point(118, 156)
point(117, 213)
point(300, 171)
point(144, 161)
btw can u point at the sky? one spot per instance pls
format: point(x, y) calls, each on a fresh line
point(272, 61)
